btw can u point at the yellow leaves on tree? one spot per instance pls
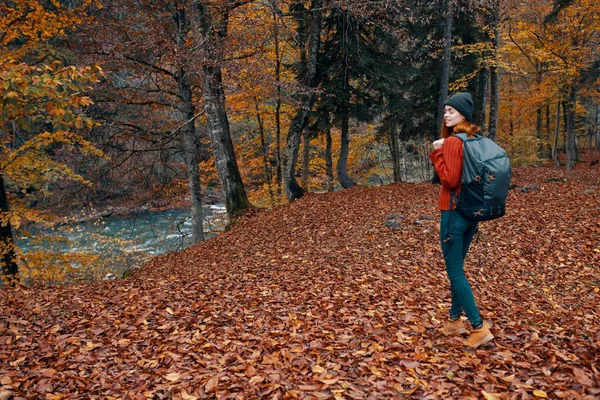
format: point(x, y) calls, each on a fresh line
point(47, 106)
point(28, 24)
point(41, 108)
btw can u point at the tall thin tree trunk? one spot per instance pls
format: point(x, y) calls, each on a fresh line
point(483, 80)
point(190, 144)
point(538, 112)
point(565, 118)
point(277, 106)
point(597, 128)
point(329, 156)
point(395, 150)
point(8, 258)
point(494, 78)
point(342, 167)
point(556, 135)
point(571, 139)
point(265, 152)
point(306, 99)
point(305, 158)
point(548, 149)
point(446, 60)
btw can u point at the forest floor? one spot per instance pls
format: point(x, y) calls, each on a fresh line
point(338, 295)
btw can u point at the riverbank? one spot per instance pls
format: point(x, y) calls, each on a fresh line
point(125, 208)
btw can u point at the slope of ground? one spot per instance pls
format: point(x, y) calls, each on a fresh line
point(338, 295)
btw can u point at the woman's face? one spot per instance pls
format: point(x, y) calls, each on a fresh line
point(452, 117)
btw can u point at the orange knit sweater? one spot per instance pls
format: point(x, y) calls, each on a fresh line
point(448, 162)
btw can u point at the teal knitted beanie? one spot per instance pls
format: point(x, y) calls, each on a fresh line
point(463, 103)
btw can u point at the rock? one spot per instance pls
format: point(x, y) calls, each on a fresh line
point(395, 216)
point(419, 222)
point(534, 187)
point(589, 191)
point(393, 224)
point(524, 190)
point(393, 221)
point(513, 186)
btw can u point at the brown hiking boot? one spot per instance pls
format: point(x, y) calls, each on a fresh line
point(455, 327)
point(481, 335)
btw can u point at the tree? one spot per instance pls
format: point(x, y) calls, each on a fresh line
point(213, 23)
point(558, 42)
point(40, 112)
point(445, 78)
point(39, 117)
point(305, 96)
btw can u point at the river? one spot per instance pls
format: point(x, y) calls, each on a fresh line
point(140, 235)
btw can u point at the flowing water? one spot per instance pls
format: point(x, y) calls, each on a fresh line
point(140, 234)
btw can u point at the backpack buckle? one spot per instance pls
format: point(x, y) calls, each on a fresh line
point(477, 178)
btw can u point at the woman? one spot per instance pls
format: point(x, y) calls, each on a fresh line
point(456, 232)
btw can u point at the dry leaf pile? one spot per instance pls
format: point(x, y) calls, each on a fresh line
point(337, 296)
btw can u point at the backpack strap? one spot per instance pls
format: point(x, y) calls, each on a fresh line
point(462, 136)
point(453, 197)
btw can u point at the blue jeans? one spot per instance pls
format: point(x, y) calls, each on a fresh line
point(460, 231)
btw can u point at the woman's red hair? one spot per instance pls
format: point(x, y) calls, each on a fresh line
point(464, 126)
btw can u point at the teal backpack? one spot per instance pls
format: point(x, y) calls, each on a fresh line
point(485, 179)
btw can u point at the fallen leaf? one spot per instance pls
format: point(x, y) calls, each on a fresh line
point(489, 396)
point(173, 376)
point(582, 377)
point(186, 396)
point(211, 384)
point(330, 381)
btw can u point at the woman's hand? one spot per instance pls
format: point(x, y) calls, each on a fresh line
point(438, 144)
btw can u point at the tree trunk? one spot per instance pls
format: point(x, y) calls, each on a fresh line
point(305, 159)
point(446, 60)
point(548, 149)
point(277, 106)
point(538, 111)
point(494, 79)
point(222, 145)
point(571, 139)
point(597, 128)
point(556, 134)
point(265, 152)
point(565, 118)
point(232, 186)
point(306, 98)
point(483, 81)
point(395, 150)
point(190, 144)
point(329, 157)
point(342, 166)
point(8, 258)
point(188, 137)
